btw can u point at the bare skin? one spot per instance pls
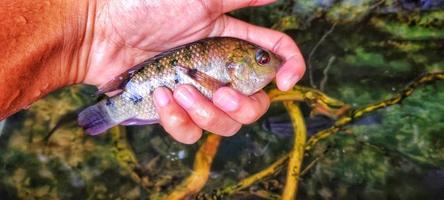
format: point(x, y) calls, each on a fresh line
point(104, 38)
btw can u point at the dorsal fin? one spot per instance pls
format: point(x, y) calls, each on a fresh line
point(119, 82)
point(113, 85)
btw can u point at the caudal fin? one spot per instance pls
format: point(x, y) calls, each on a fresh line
point(95, 120)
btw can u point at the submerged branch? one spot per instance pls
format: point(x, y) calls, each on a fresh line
point(261, 194)
point(310, 165)
point(358, 113)
point(247, 182)
point(310, 56)
point(297, 153)
point(325, 73)
point(318, 101)
point(266, 195)
point(394, 153)
point(314, 97)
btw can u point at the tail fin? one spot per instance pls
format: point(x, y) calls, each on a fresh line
point(95, 120)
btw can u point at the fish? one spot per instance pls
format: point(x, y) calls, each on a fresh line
point(281, 125)
point(206, 64)
point(422, 5)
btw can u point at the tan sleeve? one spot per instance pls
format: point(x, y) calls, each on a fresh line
point(39, 49)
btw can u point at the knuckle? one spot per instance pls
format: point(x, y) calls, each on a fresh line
point(207, 122)
point(205, 117)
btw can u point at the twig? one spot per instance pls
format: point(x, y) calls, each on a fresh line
point(310, 165)
point(297, 153)
point(325, 73)
point(310, 67)
point(390, 152)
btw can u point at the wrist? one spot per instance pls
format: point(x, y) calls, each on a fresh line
point(78, 30)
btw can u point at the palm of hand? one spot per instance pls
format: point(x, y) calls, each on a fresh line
point(127, 39)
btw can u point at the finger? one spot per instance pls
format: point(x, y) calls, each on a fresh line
point(279, 43)
point(204, 113)
point(230, 5)
point(241, 108)
point(174, 119)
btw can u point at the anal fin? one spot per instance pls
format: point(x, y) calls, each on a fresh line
point(136, 121)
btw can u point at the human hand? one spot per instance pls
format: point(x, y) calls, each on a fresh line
point(122, 34)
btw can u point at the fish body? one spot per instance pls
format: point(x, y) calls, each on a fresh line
point(206, 64)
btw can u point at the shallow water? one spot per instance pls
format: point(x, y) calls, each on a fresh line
point(358, 51)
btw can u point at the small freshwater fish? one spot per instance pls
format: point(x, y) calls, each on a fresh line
point(206, 64)
point(281, 126)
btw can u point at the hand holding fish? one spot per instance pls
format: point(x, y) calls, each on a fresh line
point(109, 37)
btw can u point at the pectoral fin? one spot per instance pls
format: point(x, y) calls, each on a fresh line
point(203, 79)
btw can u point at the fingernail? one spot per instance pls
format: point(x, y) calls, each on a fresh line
point(184, 97)
point(289, 80)
point(161, 97)
point(191, 138)
point(227, 100)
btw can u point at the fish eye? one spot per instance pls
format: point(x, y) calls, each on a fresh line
point(262, 57)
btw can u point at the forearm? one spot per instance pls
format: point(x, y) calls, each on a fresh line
point(40, 49)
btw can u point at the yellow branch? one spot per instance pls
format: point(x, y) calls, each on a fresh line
point(266, 195)
point(201, 170)
point(297, 153)
point(318, 101)
point(247, 182)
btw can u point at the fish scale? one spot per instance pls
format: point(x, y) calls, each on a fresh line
point(206, 64)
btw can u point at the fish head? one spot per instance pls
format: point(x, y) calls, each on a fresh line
point(252, 69)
